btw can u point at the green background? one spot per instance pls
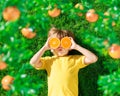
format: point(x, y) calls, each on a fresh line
point(99, 79)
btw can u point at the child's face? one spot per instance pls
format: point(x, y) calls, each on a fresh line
point(60, 51)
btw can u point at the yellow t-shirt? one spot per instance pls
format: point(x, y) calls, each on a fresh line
point(63, 74)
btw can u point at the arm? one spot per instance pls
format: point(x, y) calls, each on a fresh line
point(35, 60)
point(89, 56)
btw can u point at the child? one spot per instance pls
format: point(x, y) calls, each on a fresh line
point(62, 70)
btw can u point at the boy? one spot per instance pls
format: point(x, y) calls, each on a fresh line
point(62, 69)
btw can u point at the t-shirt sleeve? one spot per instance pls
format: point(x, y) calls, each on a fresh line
point(45, 62)
point(79, 61)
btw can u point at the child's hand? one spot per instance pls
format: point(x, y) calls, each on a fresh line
point(73, 46)
point(46, 45)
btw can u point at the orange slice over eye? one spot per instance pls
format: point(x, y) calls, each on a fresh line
point(54, 43)
point(66, 42)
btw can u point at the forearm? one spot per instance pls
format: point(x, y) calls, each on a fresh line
point(35, 59)
point(91, 57)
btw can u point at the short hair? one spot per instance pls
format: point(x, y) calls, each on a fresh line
point(60, 33)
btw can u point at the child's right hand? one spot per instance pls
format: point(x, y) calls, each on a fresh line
point(46, 45)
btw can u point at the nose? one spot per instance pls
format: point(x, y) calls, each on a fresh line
point(60, 46)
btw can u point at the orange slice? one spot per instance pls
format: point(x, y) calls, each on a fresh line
point(66, 42)
point(54, 43)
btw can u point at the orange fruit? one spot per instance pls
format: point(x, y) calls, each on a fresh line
point(80, 6)
point(106, 14)
point(105, 42)
point(11, 13)
point(5, 87)
point(3, 65)
point(114, 51)
point(113, 23)
point(91, 16)
point(106, 19)
point(66, 42)
point(6, 81)
point(54, 43)
point(28, 33)
point(91, 10)
point(54, 13)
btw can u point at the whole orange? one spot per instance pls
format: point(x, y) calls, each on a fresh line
point(3, 65)
point(54, 13)
point(107, 18)
point(11, 13)
point(6, 81)
point(81, 7)
point(91, 16)
point(114, 51)
point(28, 33)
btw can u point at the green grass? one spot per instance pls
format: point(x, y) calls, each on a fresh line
point(88, 77)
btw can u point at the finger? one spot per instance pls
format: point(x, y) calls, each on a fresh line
point(72, 41)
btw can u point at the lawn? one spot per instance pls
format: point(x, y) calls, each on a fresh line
point(98, 34)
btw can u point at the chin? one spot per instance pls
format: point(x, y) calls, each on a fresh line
point(61, 54)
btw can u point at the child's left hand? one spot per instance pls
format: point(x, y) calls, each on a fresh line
point(73, 46)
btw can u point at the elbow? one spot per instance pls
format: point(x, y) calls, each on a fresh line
point(91, 60)
point(31, 62)
point(35, 63)
point(95, 59)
